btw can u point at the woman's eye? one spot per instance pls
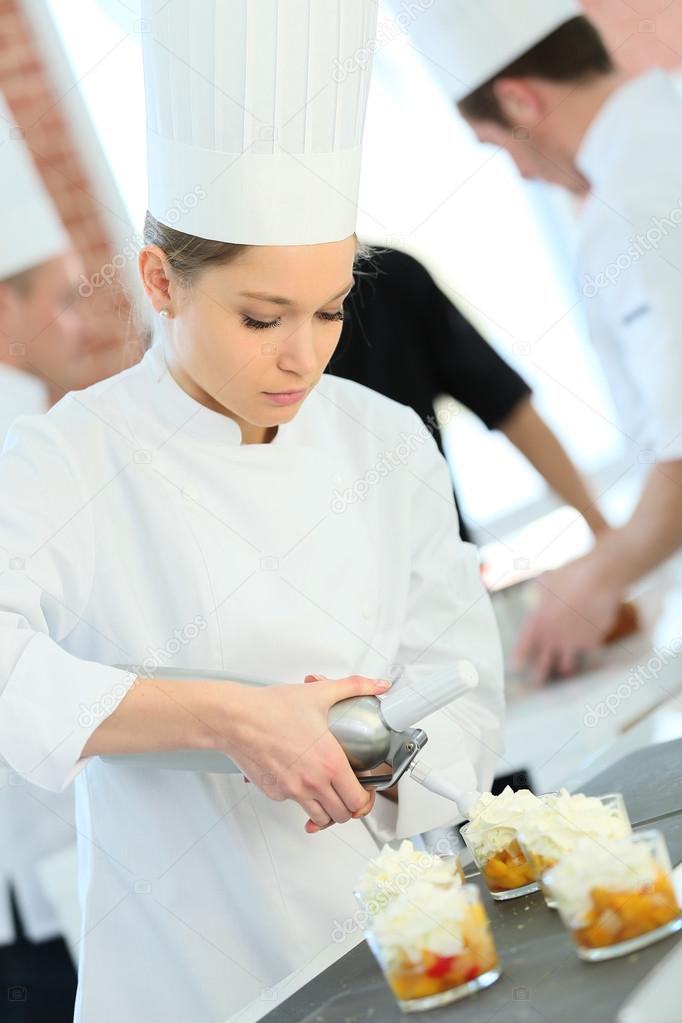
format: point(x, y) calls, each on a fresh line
point(248, 321)
point(253, 324)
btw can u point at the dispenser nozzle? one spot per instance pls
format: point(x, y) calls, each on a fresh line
point(456, 783)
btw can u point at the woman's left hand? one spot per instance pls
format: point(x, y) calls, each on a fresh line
point(310, 826)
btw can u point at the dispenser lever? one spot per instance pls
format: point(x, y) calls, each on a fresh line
point(410, 743)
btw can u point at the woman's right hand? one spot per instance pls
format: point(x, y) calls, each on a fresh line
point(280, 738)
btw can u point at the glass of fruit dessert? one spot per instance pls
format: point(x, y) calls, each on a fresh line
point(428, 931)
point(563, 820)
point(492, 838)
point(434, 945)
point(616, 896)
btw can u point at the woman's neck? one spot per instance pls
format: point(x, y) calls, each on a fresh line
point(251, 434)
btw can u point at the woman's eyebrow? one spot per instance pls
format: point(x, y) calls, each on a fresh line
point(279, 300)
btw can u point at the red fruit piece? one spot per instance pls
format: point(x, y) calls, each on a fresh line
point(441, 966)
point(472, 973)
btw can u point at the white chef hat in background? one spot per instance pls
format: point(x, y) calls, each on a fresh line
point(467, 42)
point(31, 231)
point(255, 114)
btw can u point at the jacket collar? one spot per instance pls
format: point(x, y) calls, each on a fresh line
point(184, 414)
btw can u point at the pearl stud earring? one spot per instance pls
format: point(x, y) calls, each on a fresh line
point(165, 313)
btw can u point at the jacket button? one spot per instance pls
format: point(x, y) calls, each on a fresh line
point(366, 610)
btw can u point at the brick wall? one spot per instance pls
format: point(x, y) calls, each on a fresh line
point(640, 33)
point(112, 342)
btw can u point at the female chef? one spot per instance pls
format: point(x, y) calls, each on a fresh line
point(225, 505)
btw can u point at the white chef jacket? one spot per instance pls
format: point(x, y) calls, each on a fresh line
point(33, 823)
point(21, 394)
point(334, 549)
point(630, 259)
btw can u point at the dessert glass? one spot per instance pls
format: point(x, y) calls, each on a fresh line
point(440, 954)
point(609, 912)
point(543, 850)
point(502, 862)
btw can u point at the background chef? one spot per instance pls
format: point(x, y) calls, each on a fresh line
point(192, 496)
point(40, 333)
point(534, 77)
point(40, 341)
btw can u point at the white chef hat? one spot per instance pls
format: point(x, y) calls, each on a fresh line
point(30, 229)
point(255, 112)
point(467, 42)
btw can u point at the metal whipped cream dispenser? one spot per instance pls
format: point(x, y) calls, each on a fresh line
point(372, 730)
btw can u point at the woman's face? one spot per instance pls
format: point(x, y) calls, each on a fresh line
point(252, 338)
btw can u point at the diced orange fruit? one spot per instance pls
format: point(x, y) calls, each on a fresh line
point(436, 974)
point(618, 916)
point(508, 869)
point(539, 865)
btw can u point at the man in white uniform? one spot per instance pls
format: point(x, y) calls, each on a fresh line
point(39, 341)
point(40, 332)
point(226, 505)
point(534, 77)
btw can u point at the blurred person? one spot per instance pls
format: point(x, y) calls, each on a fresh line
point(403, 337)
point(41, 336)
point(39, 346)
point(535, 78)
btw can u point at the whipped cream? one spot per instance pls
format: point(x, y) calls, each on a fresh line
point(428, 917)
point(563, 819)
point(396, 871)
point(619, 865)
point(495, 820)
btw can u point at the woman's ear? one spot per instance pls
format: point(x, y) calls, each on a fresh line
point(155, 276)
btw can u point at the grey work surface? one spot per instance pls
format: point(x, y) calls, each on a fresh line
point(542, 979)
point(650, 780)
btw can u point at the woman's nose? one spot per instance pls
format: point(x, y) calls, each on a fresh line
point(298, 352)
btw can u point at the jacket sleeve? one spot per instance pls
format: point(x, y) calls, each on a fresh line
point(46, 568)
point(449, 617)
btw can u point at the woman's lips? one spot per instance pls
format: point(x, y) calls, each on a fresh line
point(285, 397)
